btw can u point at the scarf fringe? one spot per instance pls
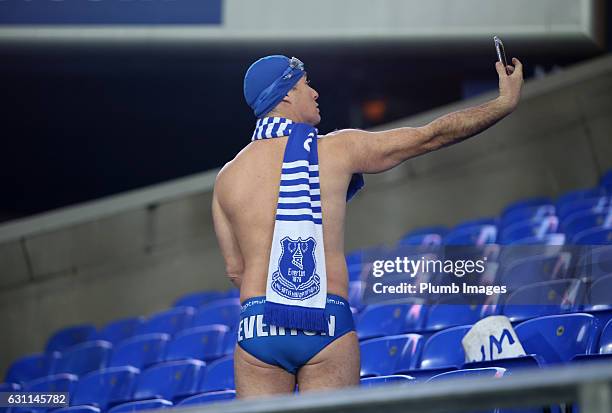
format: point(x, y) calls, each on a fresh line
point(300, 318)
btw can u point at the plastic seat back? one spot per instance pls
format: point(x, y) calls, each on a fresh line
point(382, 380)
point(85, 357)
point(137, 406)
point(106, 387)
point(219, 376)
point(558, 338)
point(171, 380)
point(390, 319)
point(444, 349)
point(140, 351)
point(70, 336)
point(120, 330)
point(544, 298)
point(381, 356)
point(167, 322)
point(226, 312)
point(203, 343)
point(31, 367)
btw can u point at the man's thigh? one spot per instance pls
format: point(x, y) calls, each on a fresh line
point(256, 378)
point(337, 365)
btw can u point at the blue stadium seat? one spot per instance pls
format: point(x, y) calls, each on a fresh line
point(54, 383)
point(558, 338)
point(382, 380)
point(232, 293)
point(355, 272)
point(380, 356)
point(120, 330)
point(476, 235)
point(198, 299)
point(31, 367)
point(581, 221)
point(544, 298)
point(488, 372)
point(219, 376)
point(210, 397)
point(390, 319)
point(593, 236)
point(441, 352)
point(83, 358)
point(531, 269)
point(527, 229)
point(594, 263)
point(598, 299)
point(204, 343)
point(604, 352)
point(78, 409)
point(528, 214)
point(437, 229)
point(231, 339)
point(450, 313)
point(606, 181)
point(140, 351)
point(171, 380)
point(548, 239)
point(226, 312)
point(485, 372)
point(571, 196)
point(421, 239)
point(63, 382)
point(525, 203)
point(605, 341)
point(596, 204)
point(476, 223)
point(106, 387)
point(137, 406)
point(354, 258)
point(69, 336)
point(355, 295)
point(168, 322)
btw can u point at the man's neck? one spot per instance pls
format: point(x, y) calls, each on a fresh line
point(285, 115)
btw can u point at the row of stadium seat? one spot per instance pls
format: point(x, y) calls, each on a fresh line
point(223, 311)
point(547, 340)
point(198, 333)
point(108, 387)
point(588, 223)
point(206, 343)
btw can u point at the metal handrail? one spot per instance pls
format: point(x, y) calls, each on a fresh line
point(589, 385)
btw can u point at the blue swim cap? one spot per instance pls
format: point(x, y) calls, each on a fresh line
point(268, 80)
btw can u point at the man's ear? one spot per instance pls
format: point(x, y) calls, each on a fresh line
point(288, 97)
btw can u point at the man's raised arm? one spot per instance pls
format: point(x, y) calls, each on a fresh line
point(373, 152)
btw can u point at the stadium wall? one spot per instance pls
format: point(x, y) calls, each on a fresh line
point(134, 253)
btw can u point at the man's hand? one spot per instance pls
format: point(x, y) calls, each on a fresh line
point(374, 152)
point(510, 85)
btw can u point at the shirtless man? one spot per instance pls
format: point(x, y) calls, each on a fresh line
point(244, 204)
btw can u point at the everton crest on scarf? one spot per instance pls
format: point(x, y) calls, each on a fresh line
point(296, 291)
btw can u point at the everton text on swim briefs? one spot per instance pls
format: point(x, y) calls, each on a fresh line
point(295, 278)
point(253, 326)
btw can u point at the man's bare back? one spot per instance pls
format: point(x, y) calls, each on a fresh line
point(244, 206)
point(247, 194)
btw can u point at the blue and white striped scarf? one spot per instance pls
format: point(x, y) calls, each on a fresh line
point(296, 291)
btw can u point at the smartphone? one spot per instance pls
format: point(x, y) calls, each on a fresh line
point(501, 53)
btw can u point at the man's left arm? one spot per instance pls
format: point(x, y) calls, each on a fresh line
point(234, 263)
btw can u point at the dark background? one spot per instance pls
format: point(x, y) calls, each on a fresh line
point(81, 123)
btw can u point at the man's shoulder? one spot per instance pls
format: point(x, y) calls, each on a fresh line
point(341, 134)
